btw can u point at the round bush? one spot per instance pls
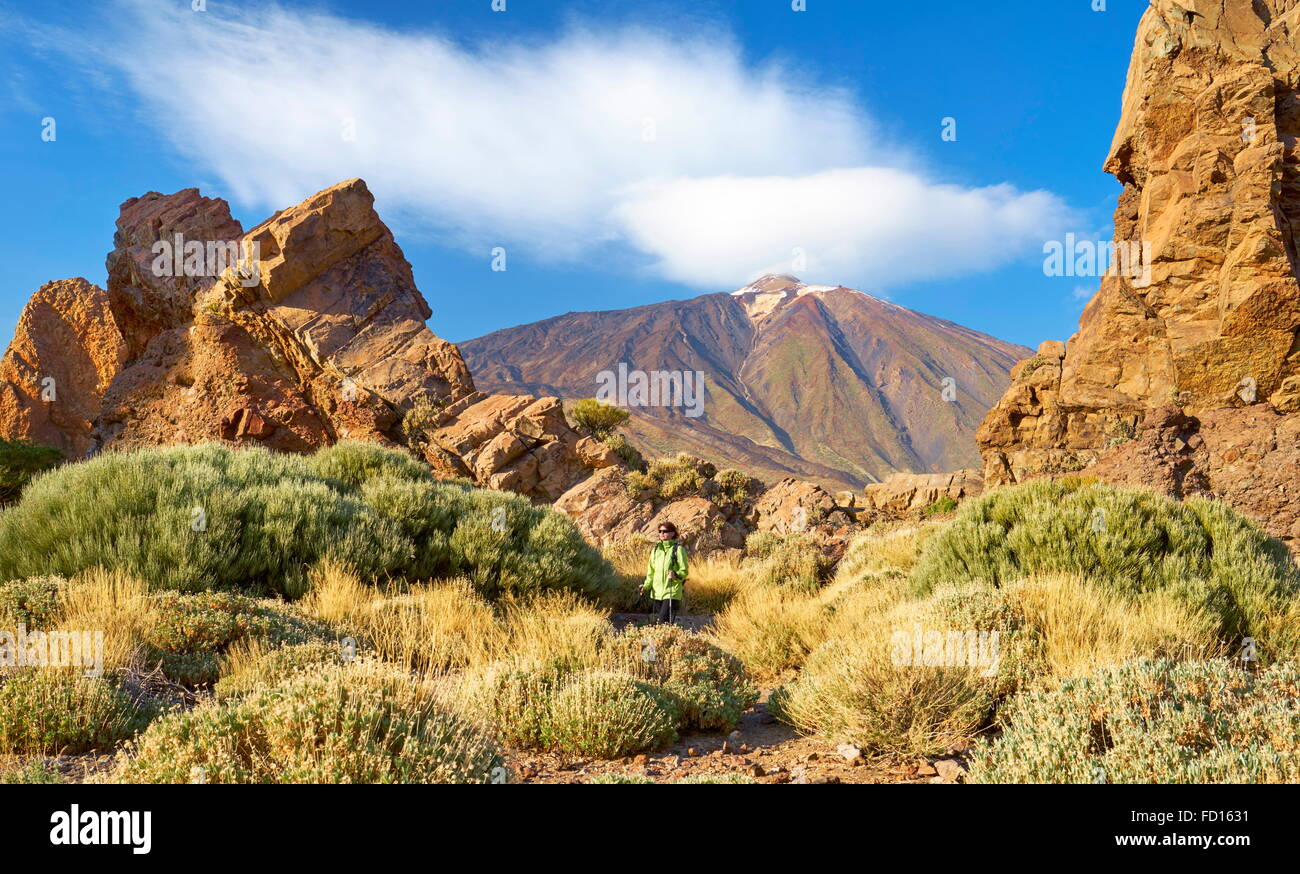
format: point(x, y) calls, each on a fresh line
point(510, 699)
point(707, 688)
point(1152, 721)
point(1132, 540)
point(195, 518)
point(607, 715)
point(33, 602)
point(55, 711)
point(356, 724)
point(192, 631)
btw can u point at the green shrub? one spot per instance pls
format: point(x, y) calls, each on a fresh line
point(945, 504)
point(706, 688)
point(54, 711)
point(607, 715)
point(357, 724)
point(671, 478)
point(626, 452)
point(33, 771)
point(619, 779)
point(597, 419)
point(33, 602)
point(421, 418)
point(1034, 363)
point(1152, 722)
point(734, 486)
point(197, 518)
point(511, 700)
point(20, 461)
point(626, 684)
point(1132, 540)
point(193, 631)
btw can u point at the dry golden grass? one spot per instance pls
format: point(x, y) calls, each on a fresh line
point(715, 581)
point(851, 689)
point(887, 547)
point(116, 603)
point(444, 626)
point(1084, 627)
point(773, 628)
point(557, 629)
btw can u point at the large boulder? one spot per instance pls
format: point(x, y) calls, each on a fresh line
point(514, 442)
point(793, 505)
point(66, 350)
point(602, 510)
point(907, 494)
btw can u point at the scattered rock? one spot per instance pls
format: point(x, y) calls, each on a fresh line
point(951, 770)
point(849, 753)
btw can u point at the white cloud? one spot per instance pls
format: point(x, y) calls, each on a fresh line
point(888, 225)
point(711, 168)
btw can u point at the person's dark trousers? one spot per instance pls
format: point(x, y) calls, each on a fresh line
point(667, 609)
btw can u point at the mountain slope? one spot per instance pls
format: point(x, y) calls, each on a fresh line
point(828, 384)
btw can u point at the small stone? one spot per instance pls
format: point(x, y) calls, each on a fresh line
point(735, 736)
point(849, 752)
point(925, 769)
point(755, 770)
point(641, 759)
point(950, 770)
point(811, 757)
point(692, 752)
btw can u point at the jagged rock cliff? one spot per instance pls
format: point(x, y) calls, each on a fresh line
point(1207, 152)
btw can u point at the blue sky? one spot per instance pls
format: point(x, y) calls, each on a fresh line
point(621, 153)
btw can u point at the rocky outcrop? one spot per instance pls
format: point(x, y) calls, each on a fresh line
point(1246, 457)
point(1207, 319)
point(324, 340)
point(66, 350)
point(792, 506)
point(603, 511)
point(517, 443)
point(305, 330)
point(607, 514)
point(908, 494)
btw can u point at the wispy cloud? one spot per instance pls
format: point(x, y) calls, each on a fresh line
point(706, 167)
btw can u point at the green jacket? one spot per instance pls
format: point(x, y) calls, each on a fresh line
point(665, 556)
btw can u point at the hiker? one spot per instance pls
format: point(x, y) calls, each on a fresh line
point(665, 575)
